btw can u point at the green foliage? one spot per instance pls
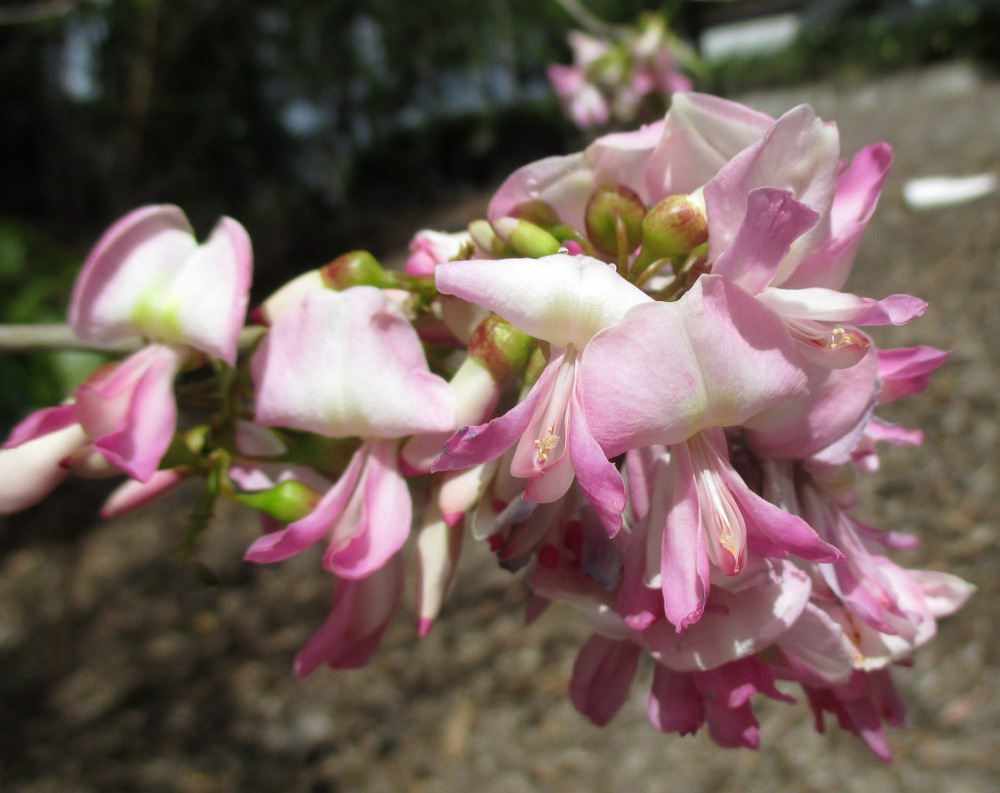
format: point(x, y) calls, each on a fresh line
point(35, 278)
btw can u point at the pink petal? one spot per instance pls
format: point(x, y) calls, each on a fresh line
point(602, 676)
point(132, 495)
point(857, 194)
point(563, 299)
point(348, 363)
point(598, 477)
point(799, 154)
point(714, 358)
point(148, 276)
point(359, 616)
point(137, 254)
point(475, 445)
point(297, 536)
point(906, 371)
point(31, 470)
point(674, 704)
point(735, 624)
point(131, 413)
point(774, 220)
point(835, 408)
point(702, 133)
point(384, 525)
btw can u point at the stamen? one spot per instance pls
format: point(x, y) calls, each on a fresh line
point(839, 338)
point(546, 444)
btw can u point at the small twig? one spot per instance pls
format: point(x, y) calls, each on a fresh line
point(35, 12)
point(47, 338)
point(588, 21)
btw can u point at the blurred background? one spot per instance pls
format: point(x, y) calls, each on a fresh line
point(332, 125)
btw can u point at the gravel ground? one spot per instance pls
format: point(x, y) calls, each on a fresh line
point(120, 671)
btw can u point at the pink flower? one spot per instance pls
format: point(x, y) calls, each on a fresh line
point(431, 248)
point(148, 277)
point(358, 618)
point(568, 301)
point(121, 420)
point(349, 364)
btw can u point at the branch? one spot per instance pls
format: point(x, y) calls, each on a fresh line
point(35, 12)
point(43, 338)
point(588, 21)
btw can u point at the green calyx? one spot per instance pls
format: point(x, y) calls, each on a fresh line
point(500, 348)
point(672, 229)
point(286, 502)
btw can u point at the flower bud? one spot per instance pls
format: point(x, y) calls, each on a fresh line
point(486, 239)
point(673, 229)
point(536, 211)
point(500, 347)
point(287, 501)
point(526, 238)
point(357, 268)
point(614, 220)
point(288, 296)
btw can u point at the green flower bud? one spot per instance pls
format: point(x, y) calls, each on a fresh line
point(526, 238)
point(672, 229)
point(357, 268)
point(287, 501)
point(614, 220)
point(536, 211)
point(486, 239)
point(500, 348)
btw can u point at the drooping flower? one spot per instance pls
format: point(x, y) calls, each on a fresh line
point(349, 364)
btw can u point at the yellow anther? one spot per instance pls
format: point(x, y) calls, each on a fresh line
point(844, 337)
point(546, 444)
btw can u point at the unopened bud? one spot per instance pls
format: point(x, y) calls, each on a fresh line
point(500, 347)
point(614, 220)
point(288, 295)
point(526, 238)
point(357, 268)
point(672, 229)
point(486, 239)
point(286, 502)
point(536, 211)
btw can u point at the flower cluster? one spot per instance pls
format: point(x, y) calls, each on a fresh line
point(617, 78)
point(639, 379)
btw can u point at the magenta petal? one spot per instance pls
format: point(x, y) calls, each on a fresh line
point(602, 676)
point(131, 413)
point(906, 371)
point(774, 220)
point(800, 154)
point(674, 704)
point(297, 536)
point(386, 515)
point(358, 618)
point(597, 476)
point(474, 445)
point(857, 194)
point(40, 423)
point(785, 530)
